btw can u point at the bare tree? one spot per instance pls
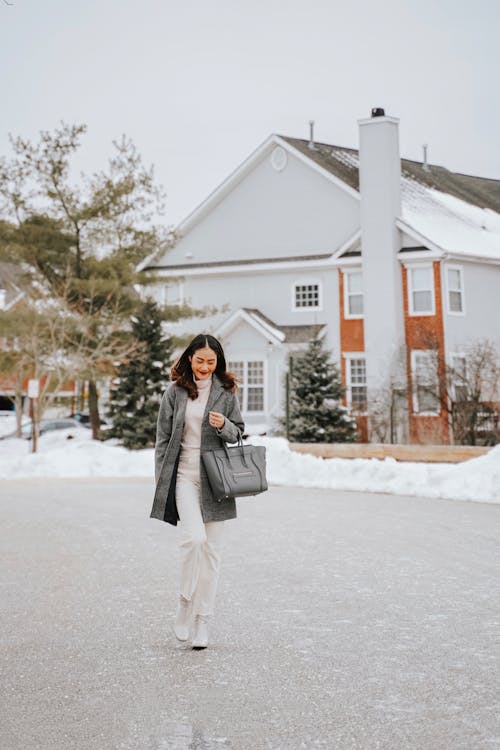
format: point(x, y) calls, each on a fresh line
point(472, 394)
point(387, 407)
point(466, 386)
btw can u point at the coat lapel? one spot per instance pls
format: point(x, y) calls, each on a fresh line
point(215, 392)
point(180, 406)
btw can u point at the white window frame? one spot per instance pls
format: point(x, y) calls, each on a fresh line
point(347, 314)
point(414, 354)
point(420, 267)
point(244, 383)
point(460, 270)
point(452, 356)
point(348, 357)
point(308, 282)
point(179, 283)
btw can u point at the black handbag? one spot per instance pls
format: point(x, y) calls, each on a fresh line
point(236, 471)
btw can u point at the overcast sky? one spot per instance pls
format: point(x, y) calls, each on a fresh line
point(198, 85)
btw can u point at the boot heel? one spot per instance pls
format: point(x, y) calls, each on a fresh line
point(200, 636)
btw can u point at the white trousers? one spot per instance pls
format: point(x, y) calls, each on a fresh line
point(200, 542)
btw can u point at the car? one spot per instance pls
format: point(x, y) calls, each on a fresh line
point(84, 419)
point(46, 425)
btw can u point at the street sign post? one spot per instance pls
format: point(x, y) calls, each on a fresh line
point(33, 395)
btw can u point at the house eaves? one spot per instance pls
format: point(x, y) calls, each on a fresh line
point(418, 237)
point(277, 334)
point(256, 320)
point(254, 265)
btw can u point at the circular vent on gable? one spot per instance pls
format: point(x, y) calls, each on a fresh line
point(278, 158)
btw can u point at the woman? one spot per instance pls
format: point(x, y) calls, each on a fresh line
point(198, 410)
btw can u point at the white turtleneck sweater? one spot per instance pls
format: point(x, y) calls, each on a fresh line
point(191, 435)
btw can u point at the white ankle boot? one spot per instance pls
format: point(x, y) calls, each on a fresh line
point(182, 619)
point(200, 636)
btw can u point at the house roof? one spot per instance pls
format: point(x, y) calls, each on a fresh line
point(268, 329)
point(453, 213)
point(302, 334)
point(457, 214)
point(344, 164)
point(297, 334)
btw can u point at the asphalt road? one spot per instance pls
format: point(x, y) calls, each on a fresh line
point(345, 621)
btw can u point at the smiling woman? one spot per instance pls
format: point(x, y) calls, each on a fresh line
point(198, 411)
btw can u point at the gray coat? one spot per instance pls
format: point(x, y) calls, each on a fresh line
point(168, 445)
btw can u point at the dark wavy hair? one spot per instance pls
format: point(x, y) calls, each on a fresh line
point(182, 374)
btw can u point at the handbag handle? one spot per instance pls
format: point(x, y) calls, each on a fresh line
point(240, 445)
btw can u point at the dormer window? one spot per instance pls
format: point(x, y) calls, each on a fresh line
point(307, 296)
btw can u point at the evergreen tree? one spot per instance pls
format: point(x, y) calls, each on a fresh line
point(85, 237)
point(316, 412)
point(139, 383)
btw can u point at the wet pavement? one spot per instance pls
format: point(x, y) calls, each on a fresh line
point(345, 621)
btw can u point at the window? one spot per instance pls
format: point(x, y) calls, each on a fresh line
point(455, 287)
point(170, 293)
point(356, 382)
point(250, 376)
point(353, 294)
point(425, 382)
point(306, 296)
point(458, 377)
point(421, 290)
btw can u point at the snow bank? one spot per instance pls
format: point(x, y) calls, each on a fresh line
point(72, 453)
point(477, 479)
point(80, 456)
point(8, 423)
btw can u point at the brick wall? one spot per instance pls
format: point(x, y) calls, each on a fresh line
point(426, 332)
point(351, 340)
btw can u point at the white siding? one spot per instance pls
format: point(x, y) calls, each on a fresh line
point(270, 293)
point(244, 343)
point(272, 214)
point(481, 298)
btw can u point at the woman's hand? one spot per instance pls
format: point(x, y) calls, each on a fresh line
point(216, 420)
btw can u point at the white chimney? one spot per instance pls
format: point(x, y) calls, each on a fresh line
point(380, 190)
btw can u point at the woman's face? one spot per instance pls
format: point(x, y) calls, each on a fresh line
point(203, 363)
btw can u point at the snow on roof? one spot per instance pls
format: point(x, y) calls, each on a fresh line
point(451, 223)
point(456, 212)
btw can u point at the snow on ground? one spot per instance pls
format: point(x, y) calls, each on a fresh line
point(71, 453)
point(477, 479)
point(80, 456)
point(8, 423)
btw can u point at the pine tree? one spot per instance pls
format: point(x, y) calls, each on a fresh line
point(316, 412)
point(139, 383)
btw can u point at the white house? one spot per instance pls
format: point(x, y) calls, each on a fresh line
point(389, 260)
